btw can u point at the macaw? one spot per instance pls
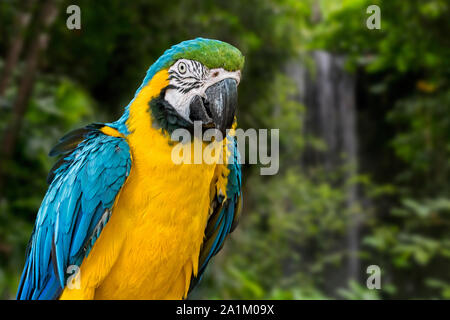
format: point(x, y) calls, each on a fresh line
point(134, 223)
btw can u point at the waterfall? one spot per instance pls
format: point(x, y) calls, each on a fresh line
point(328, 92)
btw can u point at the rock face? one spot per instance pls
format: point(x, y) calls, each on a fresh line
point(328, 92)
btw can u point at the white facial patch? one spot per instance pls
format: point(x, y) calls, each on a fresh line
point(189, 78)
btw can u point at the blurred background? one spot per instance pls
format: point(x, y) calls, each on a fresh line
point(364, 119)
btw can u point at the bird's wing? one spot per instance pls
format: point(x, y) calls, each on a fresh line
point(83, 186)
point(226, 213)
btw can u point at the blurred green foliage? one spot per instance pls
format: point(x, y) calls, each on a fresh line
point(289, 244)
point(407, 68)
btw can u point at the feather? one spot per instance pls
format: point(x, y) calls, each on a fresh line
point(75, 209)
point(225, 215)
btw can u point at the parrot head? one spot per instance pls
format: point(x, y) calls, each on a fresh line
point(195, 80)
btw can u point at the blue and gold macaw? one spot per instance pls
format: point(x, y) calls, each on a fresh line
point(136, 224)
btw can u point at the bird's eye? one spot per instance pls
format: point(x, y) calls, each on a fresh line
point(182, 68)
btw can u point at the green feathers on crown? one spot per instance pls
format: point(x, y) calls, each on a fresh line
point(211, 53)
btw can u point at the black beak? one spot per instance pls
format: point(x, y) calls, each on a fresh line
point(218, 109)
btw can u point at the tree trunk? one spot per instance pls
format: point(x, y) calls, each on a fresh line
point(20, 25)
point(47, 16)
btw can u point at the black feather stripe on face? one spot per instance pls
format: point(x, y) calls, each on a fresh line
point(193, 78)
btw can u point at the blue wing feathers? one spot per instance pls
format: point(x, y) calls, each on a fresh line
point(83, 186)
